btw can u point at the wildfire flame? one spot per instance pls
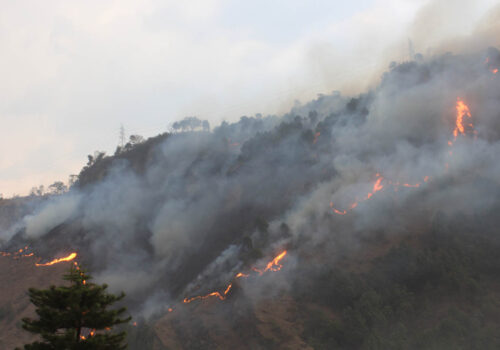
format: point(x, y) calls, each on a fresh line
point(462, 111)
point(336, 211)
point(273, 265)
point(56, 261)
point(377, 186)
point(462, 124)
point(213, 294)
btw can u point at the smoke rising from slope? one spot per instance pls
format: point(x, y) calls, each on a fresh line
point(208, 205)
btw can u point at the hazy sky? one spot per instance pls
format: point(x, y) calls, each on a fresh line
point(73, 71)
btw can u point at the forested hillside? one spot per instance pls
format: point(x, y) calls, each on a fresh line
point(351, 222)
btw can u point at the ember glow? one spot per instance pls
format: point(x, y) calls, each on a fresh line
point(20, 253)
point(70, 257)
point(408, 185)
point(316, 137)
point(493, 70)
point(273, 265)
point(232, 144)
point(91, 334)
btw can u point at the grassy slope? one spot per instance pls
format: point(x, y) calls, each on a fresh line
point(434, 291)
point(16, 276)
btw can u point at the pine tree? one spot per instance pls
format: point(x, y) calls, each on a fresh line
point(75, 317)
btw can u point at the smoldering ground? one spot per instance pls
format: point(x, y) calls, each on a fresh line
point(207, 205)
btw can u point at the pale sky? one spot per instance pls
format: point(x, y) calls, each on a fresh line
point(73, 71)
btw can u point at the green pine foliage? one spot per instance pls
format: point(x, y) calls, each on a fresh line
point(76, 316)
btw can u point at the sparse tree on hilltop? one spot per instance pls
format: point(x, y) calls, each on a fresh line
point(58, 187)
point(37, 191)
point(191, 124)
point(205, 125)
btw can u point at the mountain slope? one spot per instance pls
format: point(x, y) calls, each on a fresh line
point(384, 203)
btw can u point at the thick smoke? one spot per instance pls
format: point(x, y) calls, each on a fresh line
point(205, 206)
point(52, 214)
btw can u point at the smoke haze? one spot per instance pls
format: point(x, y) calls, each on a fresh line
point(189, 211)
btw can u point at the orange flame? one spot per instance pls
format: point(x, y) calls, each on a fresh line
point(56, 261)
point(228, 288)
point(412, 185)
point(461, 124)
point(377, 186)
point(22, 252)
point(273, 265)
point(91, 334)
point(202, 297)
point(462, 111)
